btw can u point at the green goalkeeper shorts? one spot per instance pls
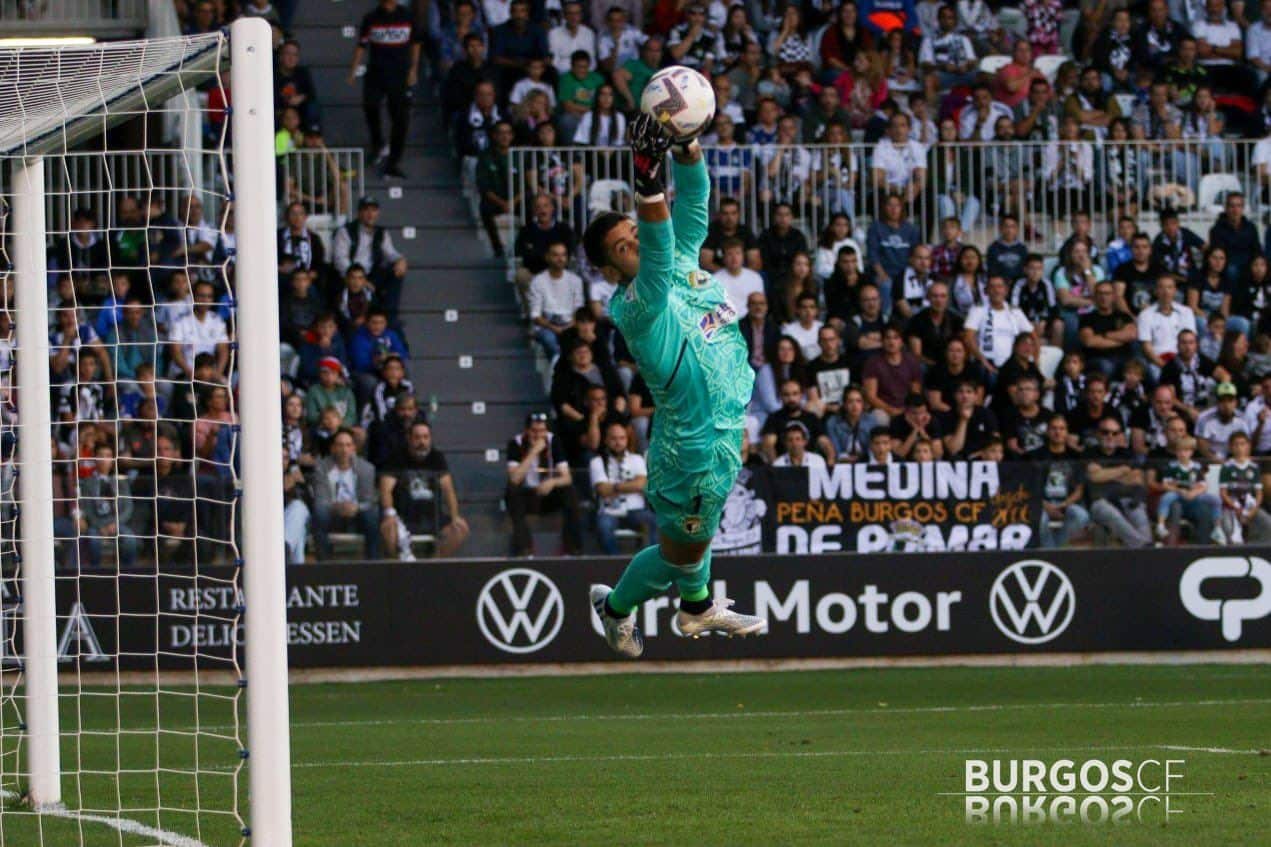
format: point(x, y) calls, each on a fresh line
point(689, 483)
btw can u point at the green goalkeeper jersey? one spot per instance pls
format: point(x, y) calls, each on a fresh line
point(679, 325)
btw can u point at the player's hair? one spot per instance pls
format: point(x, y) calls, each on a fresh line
point(595, 235)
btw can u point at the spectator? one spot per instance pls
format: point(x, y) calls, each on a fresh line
point(826, 111)
point(633, 75)
point(492, 183)
point(1034, 295)
point(1220, 47)
point(1026, 421)
point(1118, 493)
point(1008, 254)
point(1256, 414)
point(1176, 248)
point(391, 386)
point(539, 481)
point(1064, 487)
point(576, 92)
point(354, 300)
point(838, 170)
point(1038, 117)
point(1114, 51)
point(1107, 334)
point(946, 56)
point(1156, 42)
point(132, 342)
point(842, 289)
point(322, 341)
point(1161, 323)
point(889, 242)
point(991, 328)
point(451, 44)
point(1235, 234)
point(474, 127)
point(1012, 81)
point(804, 329)
point(570, 37)
point(366, 243)
point(1184, 494)
point(534, 82)
point(373, 342)
point(693, 43)
point(555, 294)
point(787, 174)
point(1149, 424)
point(727, 225)
point(391, 42)
point(836, 235)
point(293, 84)
point(581, 416)
point(849, 429)
point(1215, 426)
point(1022, 363)
point(295, 514)
point(793, 410)
point(891, 377)
point(83, 254)
point(301, 306)
point(1084, 420)
point(201, 331)
point(779, 243)
point(417, 497)
point(620, 42)
point(604, 125)
point(105, 511)
point(1185, 74)
point(761, 336)
point(731, 166)
point(864, 333)
point(899, 163)
point(1067, 168)
point(387, 437)
point(462, 80)
point(829, 372)
point(299, 248)
point(543, 230)
point(978, 120)
point(915, 283)
point(739, 282)
point(917, 425)
point(1136, 279)
point(1191, 374)
point(618, 477)
point(929, 331)
point(516, 41)
point(343, 486)
point(1240, 488)
point(795, 439)
point(1258, 42)
point(968, 425)
point(330, 392)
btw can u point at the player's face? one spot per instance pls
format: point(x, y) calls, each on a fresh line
point(622, 246)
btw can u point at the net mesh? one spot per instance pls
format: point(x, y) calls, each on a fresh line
point(142, 364)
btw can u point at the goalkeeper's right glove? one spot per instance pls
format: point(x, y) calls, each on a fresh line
point(649, 143)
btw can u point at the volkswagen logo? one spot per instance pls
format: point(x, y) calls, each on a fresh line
point(520, 610)
point(1032, 602)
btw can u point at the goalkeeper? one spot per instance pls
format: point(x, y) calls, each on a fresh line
point(684, 335)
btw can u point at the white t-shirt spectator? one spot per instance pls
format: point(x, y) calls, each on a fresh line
point(996, 330)
point(199, 336)
point(945, 48)
point(1161, 330)
point(1252, 411)
point(971, 116)
point(1214, 431)
point(556, 298)
point(627, 45)
point(523, 88)
point(562, 44)
point(898, 161)
point(810, 461)
point(806, 337)
point(1217, 35)
point(1258, 41)
point(611, 469)
point(739, 287)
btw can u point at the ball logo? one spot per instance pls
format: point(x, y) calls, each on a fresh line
point(520, 610)
point(1032, 602)
point(1233, 612)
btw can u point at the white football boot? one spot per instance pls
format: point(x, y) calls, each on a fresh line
point(721, 619)
point(622, 634)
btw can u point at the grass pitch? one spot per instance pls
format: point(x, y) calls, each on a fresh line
point(827, 757)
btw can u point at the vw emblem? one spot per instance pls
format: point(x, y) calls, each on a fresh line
point(1032, 602)
point(520, 610)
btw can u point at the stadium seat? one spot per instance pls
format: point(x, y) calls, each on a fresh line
point(1013, 20)
point(990, 65)
point(1049, 66)
point(1213, 190)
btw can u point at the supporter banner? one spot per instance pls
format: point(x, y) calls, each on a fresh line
point(934, 604)
point(905, 506)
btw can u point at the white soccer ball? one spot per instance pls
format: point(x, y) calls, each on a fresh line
point(682, 99)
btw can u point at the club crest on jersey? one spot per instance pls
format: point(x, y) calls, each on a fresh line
point(714, 320)
point(692, 524)
point(699, 278)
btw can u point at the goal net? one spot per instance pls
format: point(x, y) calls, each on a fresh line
point(142, 697)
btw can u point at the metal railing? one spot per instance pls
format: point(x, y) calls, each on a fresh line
point(977, 182)
point(327, 180)
point(101, 18)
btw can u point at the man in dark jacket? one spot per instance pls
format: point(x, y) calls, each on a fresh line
point(1237, 235)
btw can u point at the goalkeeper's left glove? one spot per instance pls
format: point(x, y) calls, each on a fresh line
point(649, 143)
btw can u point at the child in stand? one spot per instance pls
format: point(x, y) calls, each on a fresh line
point(1070, 388)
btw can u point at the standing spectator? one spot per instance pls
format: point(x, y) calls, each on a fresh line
point(418, 497)
point(991, 328)
point(1240, 487)
point(1118, 493)
point(889, 241)
point(1216, 425)
point(539, 482)
point(570, 37)
point(1064, 487)
point(1107, 334)
point(492, 183)
point(555, 294)
point(392, 43)
point(364, 242)
point(343, 487)
point(618, 477)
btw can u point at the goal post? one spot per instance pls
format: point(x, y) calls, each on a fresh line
point(120, 724)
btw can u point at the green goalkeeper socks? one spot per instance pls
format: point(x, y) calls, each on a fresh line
point(649, 575)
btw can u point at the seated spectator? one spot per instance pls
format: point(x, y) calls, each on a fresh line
point(1191, 374)
point(890, 377)
point(387, 437)
point(569, 37)
point(1210, 291)
point(1038, 117)
point(728, 225)
point(555, 294)
point(214, 413)
point(132, 341)
point(915, 282)
point(694, 43)
point(576, 93)
point(1176, 248)
point(373, 342)
point(1183, 494)
point(1084, 420)
point(931, 329)
point(944, 256)
point(792, 409)
point(105, 512)
point(827, 110)
point(1130, 394)
point(968, 425)
point(916, 425)
point(946, 56)
point(842, 289)
point(630, 79)
point(830, 373)
point(84, 254)
point(201, 331)
point(795, 439)
point(515, 41)
point(1023, 362)
point(1118, 491)
point(1034, 295)
point(330, 391)
point(1256, 414)
point(794, 285)
point(604, 125)
point(1107, 334)
point(354, 301)
point(899, 165)
point(787, 175)
point(1136, 278)
point(459, 94)
point(539, 482)
point(1215, 425)
point(991, 328)
point(492, 183)
point(864, 332)
point(572, 387)
point(889, 242)
point(1220, 48)
point(295, 512)
point(533, 239)
point(299, 248)
point(732, 169)
point(1156, 41)
point(806, 326)
point(1161, 323)
point(1063, 491)
point(978, 121)
point(761, 336)
point(364, 242)
point(344, 497)
point(172, 490)
point(1067, 169)
point(618, 477)
point(739, 282)
point(849, 430)
point(322, 341)
point(301, 305)
point(1012, 80)
point(1092, 107)
point(1025, 422)
point(942, 378)
point(1236, 235)
point(837, 169)
point(293, 84)
point(295, 432)
point(780, 242)
point(620, 42)
point(1149, 424)
point(417, 497)
point(165, 243)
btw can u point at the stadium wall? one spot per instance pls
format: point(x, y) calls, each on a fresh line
point(536, 611)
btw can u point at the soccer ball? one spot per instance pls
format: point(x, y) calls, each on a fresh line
point(681, 99)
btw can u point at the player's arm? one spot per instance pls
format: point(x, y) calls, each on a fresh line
point(649, 144)
point(690, 217)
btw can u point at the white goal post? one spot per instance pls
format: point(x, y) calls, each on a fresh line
point(53, 100)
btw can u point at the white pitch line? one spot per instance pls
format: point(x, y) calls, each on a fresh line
point(1220, 750)
point(124, 825)
point(740, 713)
point(757, 754)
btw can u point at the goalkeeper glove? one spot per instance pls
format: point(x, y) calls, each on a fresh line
point(649, 143)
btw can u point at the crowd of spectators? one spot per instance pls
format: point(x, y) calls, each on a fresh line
point(928, 319)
